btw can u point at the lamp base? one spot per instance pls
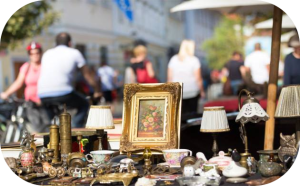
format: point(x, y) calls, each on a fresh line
point(244, 158)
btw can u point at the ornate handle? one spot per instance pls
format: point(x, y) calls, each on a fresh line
point(190, 153)
point(90, 161)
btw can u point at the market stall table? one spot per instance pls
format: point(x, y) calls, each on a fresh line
point(159, 183)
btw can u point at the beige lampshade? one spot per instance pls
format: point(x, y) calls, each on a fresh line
point(214, 120)
point(100, 117)
point(289, 102)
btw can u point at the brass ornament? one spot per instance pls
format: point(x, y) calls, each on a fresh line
point(130, 90)
point(60, 172)
point(287, 146)
point(65, 132)
point(52, 172)
point(70, 171)
point(54, 142)
point(115, 177)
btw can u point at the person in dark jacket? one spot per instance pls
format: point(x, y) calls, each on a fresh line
point(292, 63)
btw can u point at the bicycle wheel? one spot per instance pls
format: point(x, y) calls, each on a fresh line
point(9, 134)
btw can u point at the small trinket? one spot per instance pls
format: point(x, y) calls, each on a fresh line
point(77, 173)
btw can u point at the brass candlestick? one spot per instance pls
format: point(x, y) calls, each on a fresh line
point(100, 133)
point(54, 142)
point(147, 167)
point(65, 132)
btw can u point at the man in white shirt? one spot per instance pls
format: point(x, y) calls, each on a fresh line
point(56, 79)
point(258, 62)
point(108, 78)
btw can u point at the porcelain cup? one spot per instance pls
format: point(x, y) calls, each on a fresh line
point(174, 156)
point(100, 156)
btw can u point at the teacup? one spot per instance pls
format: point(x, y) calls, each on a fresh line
point(174, 156)
point(100, 156)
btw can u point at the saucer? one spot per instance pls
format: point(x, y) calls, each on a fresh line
point(96, 166)
point(171, 166)
point(236, 180)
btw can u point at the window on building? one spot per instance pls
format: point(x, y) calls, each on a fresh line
point(103, 54)
point(82, 49)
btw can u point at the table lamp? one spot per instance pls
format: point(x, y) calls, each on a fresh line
point(289, 106)
point(251, 111)
point(214, 121)
point(100, 118)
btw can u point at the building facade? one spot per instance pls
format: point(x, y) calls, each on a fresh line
point(101, 31)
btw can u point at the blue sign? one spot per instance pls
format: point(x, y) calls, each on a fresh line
point(125, 7)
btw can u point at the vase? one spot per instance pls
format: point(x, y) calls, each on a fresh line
point(27, 158)
point(268, 169)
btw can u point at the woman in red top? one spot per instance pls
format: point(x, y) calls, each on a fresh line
point(29, 75)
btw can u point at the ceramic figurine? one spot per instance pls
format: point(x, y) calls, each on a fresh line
point(125, 165)
point(188, 171)
point(235, 169)
point(201, 155)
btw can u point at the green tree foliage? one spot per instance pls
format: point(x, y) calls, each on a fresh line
point(227, 38)
point(27, 22)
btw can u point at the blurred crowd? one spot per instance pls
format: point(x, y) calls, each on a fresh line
point(49, 78)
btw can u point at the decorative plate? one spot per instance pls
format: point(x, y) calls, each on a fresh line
point(236, 180)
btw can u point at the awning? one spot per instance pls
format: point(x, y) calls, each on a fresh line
point(225, 6)
point(268, 24)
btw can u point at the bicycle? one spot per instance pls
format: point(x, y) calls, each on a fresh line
point(15, 120)
point(5, 113)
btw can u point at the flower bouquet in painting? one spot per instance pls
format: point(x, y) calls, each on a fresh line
point(151, 117)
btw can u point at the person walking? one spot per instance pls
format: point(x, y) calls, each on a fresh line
point(29, 74)
point(258, 63)
point(233, 69)
point(57, 74)
point(186, 68)
point(291, 74)
point(108, 77)
point(141, 66)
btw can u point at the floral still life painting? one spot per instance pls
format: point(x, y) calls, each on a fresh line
point(151, 118)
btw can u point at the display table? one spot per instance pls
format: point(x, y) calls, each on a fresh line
point(175, 183)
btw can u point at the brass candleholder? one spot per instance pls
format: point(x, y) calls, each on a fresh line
point(65, 132)
point(147, 167)
point(54, 142)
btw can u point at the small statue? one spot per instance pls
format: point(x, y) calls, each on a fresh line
point(26, 141)
point(125, 165)
point(190, 170)
point(201, 155)
point(252, 165)
point(287, 146)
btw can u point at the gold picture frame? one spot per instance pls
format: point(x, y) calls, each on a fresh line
point(151, 116)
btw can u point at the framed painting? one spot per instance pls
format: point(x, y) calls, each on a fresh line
point(151, 116)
